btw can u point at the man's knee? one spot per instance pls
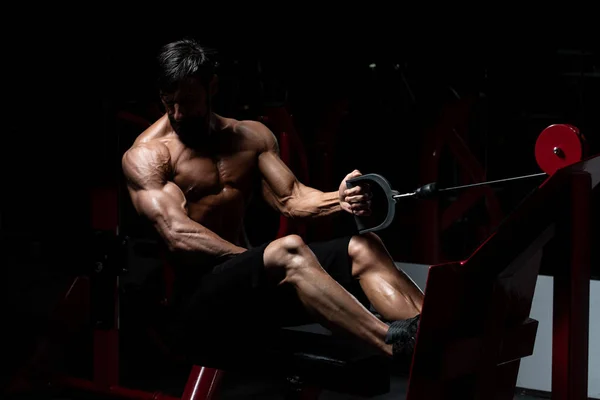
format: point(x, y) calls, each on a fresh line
point(287, 256)
point(364, 245)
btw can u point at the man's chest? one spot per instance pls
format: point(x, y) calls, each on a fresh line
point(199, 176)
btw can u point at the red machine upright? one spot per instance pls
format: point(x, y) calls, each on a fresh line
point(475, 324)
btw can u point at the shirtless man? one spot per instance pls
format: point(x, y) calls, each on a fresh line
point(192, 173)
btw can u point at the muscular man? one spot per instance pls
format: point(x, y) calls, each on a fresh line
point(192, 173)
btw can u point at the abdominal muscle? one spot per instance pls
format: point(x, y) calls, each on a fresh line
point(222, 213)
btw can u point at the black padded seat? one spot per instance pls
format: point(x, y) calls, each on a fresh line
point(309, 358)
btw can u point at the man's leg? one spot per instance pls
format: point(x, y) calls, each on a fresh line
point(289, 260)
point(391, 292)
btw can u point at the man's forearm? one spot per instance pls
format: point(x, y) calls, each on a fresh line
point(312, 203)
point(195, 241)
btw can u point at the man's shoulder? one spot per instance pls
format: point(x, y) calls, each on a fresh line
point(145, 164)
point(147, 150)
point(256, 132)
point(250, 124)
point(154, 133)
point(152, 139)
point(146, 160)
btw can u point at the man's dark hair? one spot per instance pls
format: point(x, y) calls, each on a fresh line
point(183, 59)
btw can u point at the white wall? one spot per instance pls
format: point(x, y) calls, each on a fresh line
point(536, 370)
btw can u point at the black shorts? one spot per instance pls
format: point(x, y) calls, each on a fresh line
point(235, 298)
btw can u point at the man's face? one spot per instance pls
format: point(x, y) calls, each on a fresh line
point(188, 108)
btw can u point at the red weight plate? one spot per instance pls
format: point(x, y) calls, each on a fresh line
point(557, 146)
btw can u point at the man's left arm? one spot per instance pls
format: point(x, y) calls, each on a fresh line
point(284, 192)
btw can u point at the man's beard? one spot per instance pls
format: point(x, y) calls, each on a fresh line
point(191, 128)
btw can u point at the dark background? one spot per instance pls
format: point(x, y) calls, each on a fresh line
point(62, 137)
point(65, 90)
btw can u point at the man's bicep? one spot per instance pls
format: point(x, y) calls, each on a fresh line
point(153, 196)
point(146, 166)
point(159, 203)
point(164, 208)
point(279, 182)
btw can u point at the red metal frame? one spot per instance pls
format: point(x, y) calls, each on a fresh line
point(474, 320)
point(572, 296)
point(449, 133)
point(203, 383)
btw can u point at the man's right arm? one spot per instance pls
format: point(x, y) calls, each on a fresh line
point(146, 168)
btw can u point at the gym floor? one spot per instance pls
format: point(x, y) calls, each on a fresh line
point(239, 388)
point(236, 387)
